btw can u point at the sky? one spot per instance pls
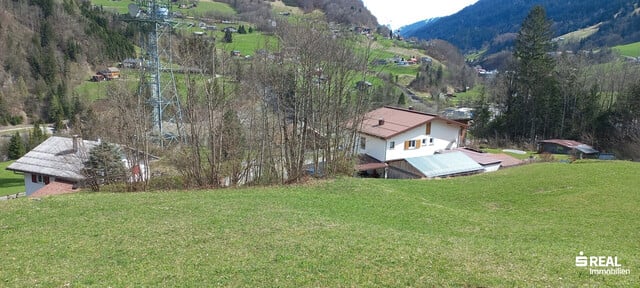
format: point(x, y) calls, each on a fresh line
point(398, 13)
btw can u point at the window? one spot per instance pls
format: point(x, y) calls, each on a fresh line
point(33, 178)
point(430, 141)
point(39, 178)
point(363, 143)
point(411, 144)
point(392, 144)
point(424, 141)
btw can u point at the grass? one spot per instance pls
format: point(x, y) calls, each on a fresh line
point(10, 183)
point(520, 227)
point(631, 50)
point(469, 97)
point(578, 35)
point(203, 7)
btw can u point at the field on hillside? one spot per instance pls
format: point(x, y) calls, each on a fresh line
point(10, 183)
point(518, 227)
point(631, 50)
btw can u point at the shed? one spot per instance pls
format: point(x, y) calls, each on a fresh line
point(569, 147)
point(437, 165)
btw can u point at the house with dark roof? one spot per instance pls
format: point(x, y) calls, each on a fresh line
point(57, 159)
point(570, 147)
point(57, 163)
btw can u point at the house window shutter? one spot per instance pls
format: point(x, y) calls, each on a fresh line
point(46, 180)
point(417, 144)
point(406, 145)
point(34, 179)
point(428, 132)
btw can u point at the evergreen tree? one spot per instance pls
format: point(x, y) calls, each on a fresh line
point(402, 99)
point(250, 29)
point(532, 105)
point(228, 38)
point(16, 147)
point(242, 30)
point(4, 111)
point(104, 166)
point(36, 136)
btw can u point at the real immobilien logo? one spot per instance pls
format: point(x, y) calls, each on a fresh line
point(601, 265)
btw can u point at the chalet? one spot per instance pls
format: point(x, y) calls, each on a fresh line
point(392, 134)
point(57, 164)
point(570, 147)
point(57, 159)
point(110, 73)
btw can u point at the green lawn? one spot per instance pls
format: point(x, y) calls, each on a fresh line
point(520, 227)
point(10, 183)
point(203, 7)
point(631, 50)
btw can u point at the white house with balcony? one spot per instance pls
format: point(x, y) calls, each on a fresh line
point(391, 134)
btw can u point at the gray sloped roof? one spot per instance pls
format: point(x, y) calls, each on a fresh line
point(55, 157)
point(438, 165)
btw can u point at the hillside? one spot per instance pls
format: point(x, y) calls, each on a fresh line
point(514, 228)
point(52, 47)
point(488, 22)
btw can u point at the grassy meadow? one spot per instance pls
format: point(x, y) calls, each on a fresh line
point(519, 227)
point(10, 183)
point(631, 50)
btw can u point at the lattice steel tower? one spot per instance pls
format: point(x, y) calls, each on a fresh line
point(156, 77)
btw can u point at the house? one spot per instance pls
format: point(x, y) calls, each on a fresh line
point(57, 159)
point(110, 73)
point(570, 147)
point(392, 134)
point(230, 29)
point(57, 164)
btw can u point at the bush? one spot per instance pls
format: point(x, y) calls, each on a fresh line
point(546, 157)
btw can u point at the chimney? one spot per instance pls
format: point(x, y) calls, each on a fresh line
point(380, 121)
point(77, 142)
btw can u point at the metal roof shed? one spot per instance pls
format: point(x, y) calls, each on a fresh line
point(447, 164)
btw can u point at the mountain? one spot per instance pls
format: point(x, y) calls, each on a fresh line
point(488, 22)
point(415, 27)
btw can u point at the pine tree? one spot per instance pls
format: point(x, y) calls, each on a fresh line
point(402, 100)
point(36, 136)
point(104, 166)
point(242, 30)
point(16, 147)
point(531, 107)
point(228, 38)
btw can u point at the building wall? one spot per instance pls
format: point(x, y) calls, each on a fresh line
point(31, 186)
point(445, 136)
point(491, 168)
point(374, 147)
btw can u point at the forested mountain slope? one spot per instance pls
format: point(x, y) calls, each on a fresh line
point(489, 22)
